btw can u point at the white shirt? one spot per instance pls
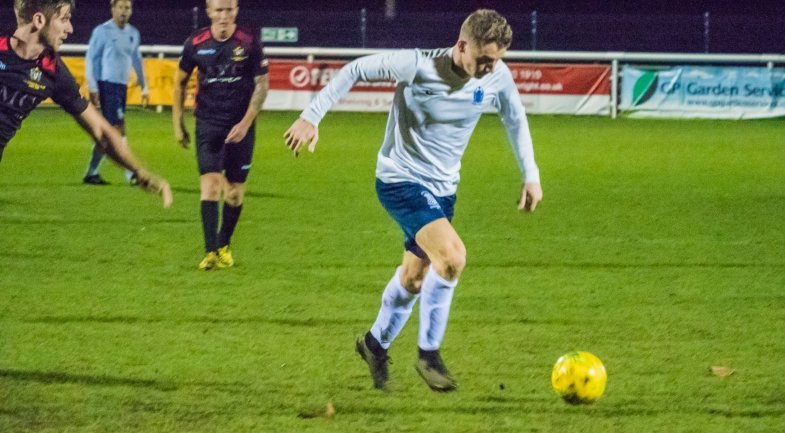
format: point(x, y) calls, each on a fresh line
point(433, 115)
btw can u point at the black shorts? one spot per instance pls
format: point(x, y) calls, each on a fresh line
point(213, 156)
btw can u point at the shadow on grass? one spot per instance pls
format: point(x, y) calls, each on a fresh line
point(748, 413)
point(512, 405)
point(50, 377)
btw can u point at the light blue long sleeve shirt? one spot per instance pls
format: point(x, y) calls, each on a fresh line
point(111, 53)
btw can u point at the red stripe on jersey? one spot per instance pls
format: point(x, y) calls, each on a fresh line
point(49, 64)
point(243, 36)
point(201, 37)
point(3, 44)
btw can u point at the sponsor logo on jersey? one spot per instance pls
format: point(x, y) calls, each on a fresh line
point(2, 66)
point(238, 54)
point(206, 52)
point(17, 100)
point(479, 95)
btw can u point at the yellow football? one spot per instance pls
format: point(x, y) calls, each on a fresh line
point(579, 378)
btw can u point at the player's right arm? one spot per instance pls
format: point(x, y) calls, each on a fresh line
point(397, 66)
point(186, 67)
point(178, 104)
point(93, 63)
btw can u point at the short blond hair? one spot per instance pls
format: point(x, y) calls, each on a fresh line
point(486, 26)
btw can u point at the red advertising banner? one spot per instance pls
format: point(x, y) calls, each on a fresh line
point(301, 75)
point(561, 79)
point(530, 77)
point(544, 88)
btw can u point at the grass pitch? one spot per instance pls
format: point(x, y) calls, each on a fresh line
point(658, 247)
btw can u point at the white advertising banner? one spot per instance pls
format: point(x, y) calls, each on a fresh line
point(703, 92)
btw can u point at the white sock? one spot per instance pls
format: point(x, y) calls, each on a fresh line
point(434, 310)
point(397, 304)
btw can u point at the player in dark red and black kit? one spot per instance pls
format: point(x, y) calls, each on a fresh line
point(233, 85)
point(31, 71)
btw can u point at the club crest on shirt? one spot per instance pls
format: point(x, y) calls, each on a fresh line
point(238, 54)
point(36, 74)
point(479, 95)
point(35, 79)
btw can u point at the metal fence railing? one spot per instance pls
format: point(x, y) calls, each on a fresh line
point(614, 58)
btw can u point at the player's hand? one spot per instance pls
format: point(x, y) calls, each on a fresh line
point(182, 137)
point(152, 183)
point(531, 194)
point(301, 132)
point(145, 100)
point(237, 133)
point(95, 99)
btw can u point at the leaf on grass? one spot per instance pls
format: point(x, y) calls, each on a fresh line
point(328, 412)
point(721, 371)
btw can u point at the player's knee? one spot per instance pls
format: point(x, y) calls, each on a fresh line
point(453, 263)
point(211, 189)
point(234, 196)
point(412, 284)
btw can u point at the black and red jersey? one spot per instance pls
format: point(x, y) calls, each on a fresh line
point(226, 73)
point(25, 83)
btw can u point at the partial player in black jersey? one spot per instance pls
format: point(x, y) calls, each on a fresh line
point(31, 71)
point(232, 87)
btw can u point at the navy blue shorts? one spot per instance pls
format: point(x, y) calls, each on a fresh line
point(413, 206)
point(112, 97)
point(213, 156)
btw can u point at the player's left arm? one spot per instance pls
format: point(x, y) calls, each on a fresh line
point(138, 63)
point(513, 115)
point(240, 130)
point(112, 144)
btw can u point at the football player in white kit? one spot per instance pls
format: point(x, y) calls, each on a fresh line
point(439, 98)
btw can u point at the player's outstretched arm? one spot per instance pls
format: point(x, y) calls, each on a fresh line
point(302, 132)
point(112, 143)
point(531, 194)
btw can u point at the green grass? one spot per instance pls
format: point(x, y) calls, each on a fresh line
point(658, 246)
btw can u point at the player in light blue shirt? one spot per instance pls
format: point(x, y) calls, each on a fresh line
point(439, 98)
point(112, 52)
